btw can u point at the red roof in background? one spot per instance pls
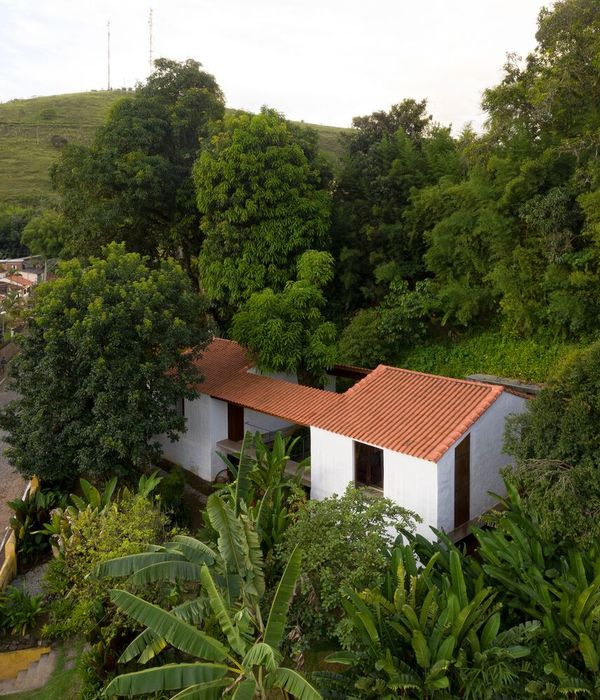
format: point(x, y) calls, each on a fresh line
point(18, 279)
point(410, 412)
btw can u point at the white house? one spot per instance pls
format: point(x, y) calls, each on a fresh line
point(432, 444)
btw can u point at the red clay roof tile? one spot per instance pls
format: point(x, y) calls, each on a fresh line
point(410, 412)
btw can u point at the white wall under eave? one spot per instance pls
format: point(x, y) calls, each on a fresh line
point(206, 424)
point(412, 483)
point(487, 461)
point(331, 463)
point(263, 423)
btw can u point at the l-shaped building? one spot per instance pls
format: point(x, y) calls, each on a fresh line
point(432, 444)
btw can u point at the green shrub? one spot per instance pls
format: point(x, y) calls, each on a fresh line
point(490, 352)
point(125, 526)
point(19, 610)
point(31, 514)
point(345, 540)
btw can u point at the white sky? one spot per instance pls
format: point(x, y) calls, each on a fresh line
point(323, 62)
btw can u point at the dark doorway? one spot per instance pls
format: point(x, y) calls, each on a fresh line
point(462, 481)
point(235, 422)
point(368, 465)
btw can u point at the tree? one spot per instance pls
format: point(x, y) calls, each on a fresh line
point(101, 366)
point(134, 183)
point(285, 331)
point(45, 234)
point(241, 659)
point(345, 540)
point(13, 220)
point(263, 201)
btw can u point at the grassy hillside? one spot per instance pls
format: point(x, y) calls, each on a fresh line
point(31, 132)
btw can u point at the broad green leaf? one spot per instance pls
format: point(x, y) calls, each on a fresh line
point(125, 566)
point(281, 602)
point(232, 539)
point(293, 683)
point(166, 571)
point(245, 690)
point(220, 610)
point(261, 654)
point(175, 631)
point(169, 677)
point(211, 690)
point(589, 653)
point(347, 658)
point(195, 550)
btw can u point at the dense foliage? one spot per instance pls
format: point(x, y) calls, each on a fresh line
point(355, 531)
point(134, 183)
point(286, 331)
point(102, 366)
point(261, 193)
point(13, 220)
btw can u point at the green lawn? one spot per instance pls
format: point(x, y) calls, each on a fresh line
point(28, 128)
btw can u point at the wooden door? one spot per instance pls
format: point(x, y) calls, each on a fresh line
point(462, 481)
point(235, 422)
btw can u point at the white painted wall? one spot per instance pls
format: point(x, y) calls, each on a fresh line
point(487, 460)
point(263, 423)
point(331, 463)
point(206, 424)
point(412, 483)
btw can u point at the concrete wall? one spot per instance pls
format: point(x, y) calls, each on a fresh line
point(412, 483)
point(487, 460)
point(331, 463)
point(206, 424)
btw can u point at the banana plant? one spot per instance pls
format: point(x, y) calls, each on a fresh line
point(559, 588)
point(422, 640)
point(243, 659)
point(263, 487)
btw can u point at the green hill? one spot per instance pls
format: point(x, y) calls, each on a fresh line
point(32, 132)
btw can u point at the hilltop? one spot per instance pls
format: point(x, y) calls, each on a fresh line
point(33, 131)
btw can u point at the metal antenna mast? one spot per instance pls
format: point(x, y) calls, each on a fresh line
point(150, 27)
point(108, 52)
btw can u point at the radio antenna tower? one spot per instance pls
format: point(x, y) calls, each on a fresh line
point(150, 28)
point(108, 53)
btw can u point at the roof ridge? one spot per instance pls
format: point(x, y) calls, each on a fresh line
point(470, 382)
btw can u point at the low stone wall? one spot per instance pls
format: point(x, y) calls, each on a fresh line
point(9, 567)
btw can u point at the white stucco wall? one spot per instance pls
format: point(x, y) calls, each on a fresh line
point(487, 460)
point(331, 463)
point(412, 483)
point(262, 423)
point(206, 424)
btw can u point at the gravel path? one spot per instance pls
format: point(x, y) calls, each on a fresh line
point(12, 484)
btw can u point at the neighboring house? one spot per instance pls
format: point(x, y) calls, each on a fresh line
point(432, 444)
point(16, 282)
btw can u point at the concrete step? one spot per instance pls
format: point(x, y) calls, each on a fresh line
point(35, 676)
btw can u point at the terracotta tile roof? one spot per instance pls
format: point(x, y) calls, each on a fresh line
point(18, 279)
point(219, 361)
point(410, 412)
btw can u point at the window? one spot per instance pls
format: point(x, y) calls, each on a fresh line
point(180, 407)
point(368, 465)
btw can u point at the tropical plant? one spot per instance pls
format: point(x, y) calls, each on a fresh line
point(346, 541)
point(424, 640)
point(19, 610)
point(555, 584)
point(238, 653)
point(265, 487)
point(31, 515)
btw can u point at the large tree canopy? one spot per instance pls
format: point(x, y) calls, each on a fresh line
point(102, 366)
point(285, 331)
point(134, 183)
point(261, 194)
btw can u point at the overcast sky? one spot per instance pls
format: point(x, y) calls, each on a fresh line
point(322, 61)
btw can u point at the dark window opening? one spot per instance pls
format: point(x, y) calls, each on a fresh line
point(368, 465)
point(180, 407)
